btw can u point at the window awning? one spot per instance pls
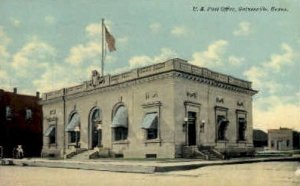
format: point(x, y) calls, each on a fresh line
point(121, 118)
point(74, 122)
point(50, 131)
point(150, 121)
point(242, 120)
point(223, 120)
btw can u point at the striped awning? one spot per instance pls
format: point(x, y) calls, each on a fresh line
point(223, 120)
point(73, 123)
point(242, 120)
point(150, 121)
point(120, 118)
point(50, 131)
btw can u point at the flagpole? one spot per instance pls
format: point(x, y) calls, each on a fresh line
point(102, 59)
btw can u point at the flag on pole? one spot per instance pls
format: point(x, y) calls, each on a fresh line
point(110, 40)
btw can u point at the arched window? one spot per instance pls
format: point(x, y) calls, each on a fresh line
point(96, 116)
point(120, 123)
point(95, 128)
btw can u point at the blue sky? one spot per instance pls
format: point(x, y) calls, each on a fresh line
point(46, 45)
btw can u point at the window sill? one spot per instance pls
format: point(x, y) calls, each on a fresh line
point(121, 142)
point(52, 145)
point(153, 141)
point(72, 144)
point(241, 141)
point(222, 141)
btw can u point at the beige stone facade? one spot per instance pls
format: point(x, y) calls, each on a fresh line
point(154, 111)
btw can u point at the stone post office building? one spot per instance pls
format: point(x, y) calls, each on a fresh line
point(155, 111)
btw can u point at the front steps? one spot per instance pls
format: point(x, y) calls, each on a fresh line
point(211, 153)
point(84, 155)
point(204, 153)
point(92, 154)
point(74, 152)
point(193, 152)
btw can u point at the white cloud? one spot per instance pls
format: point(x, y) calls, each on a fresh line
point(34, 66)
point(143, 60)
point(94, 29)
point(272, 87)
point(50, 20)
point(244, 29)
point(4, 79)
point(4, 39)
point(138, 61)
point(255, 74)
point(298, 95)
point(155, 27)
point(280, 113)
point(261, 75)
point(122, 40)
point(213, 56)
point(4, 54)
point(90, 51)
point(33, 57)
point(165, 54)
point(85, 57)
point(179, 31)
point(274, 111)
point(3, 74)
point(279, 60)
point(15, 22)
point(56, 77)
point(27, 66)
point(235, 61)
point(83, 52)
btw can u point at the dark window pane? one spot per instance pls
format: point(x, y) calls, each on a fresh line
point(121, 133)
point(74, 137)
point(52, 136)
point(151, 133)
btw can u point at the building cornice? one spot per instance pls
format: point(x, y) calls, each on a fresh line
point(175, 68)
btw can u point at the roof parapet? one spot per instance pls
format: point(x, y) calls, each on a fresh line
point(175, 64)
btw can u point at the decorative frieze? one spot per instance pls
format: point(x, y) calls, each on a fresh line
point(52, 119)
point(192, 94)
point(52, 112)
point(240, 103)
point(151, 95)
point(219, 99)
point(152, 104)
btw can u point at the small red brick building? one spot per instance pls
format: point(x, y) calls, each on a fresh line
point(20, 123)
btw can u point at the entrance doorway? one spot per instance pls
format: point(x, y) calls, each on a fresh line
point(95, 129)
point(96, 138)
point(191, 128)
point(278, 145)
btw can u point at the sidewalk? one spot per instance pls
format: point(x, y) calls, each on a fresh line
point(136, 166)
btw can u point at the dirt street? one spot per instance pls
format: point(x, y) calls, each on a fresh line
point(271, 173)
